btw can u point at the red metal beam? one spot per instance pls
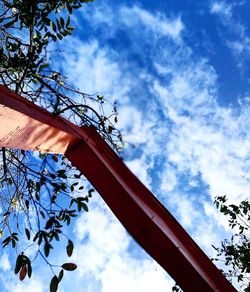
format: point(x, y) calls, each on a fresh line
point(144, 217)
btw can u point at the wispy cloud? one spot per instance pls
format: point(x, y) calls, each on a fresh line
point(156, 23)
point(4, 262)
point(9, 282)
point(170, 108)
point(221, 8)
point(104, 252)
point(239, 40)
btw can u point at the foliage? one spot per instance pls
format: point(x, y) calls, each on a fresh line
point(176, 288)
point(42, 194)
point(235, 251)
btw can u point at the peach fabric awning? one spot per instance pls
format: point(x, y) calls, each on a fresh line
point(20, 131)
point(26, 126)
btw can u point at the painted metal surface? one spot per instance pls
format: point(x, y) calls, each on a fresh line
point(144, 217)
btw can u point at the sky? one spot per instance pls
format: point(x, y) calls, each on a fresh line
point(179, 71)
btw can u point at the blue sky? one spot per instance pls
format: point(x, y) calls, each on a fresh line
point(179, 71)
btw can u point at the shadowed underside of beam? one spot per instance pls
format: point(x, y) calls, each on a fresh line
point(25, 126)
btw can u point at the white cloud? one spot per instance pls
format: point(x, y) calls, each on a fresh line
point(198, 137)
point(139, 168)
point(9, 283)
point(4, 262)
point(239, 40)
point(132, 122)
point(32, 285)
point(103, 251)
point(90, 68)
point(221, 8)
point(157, 23)
point(169, 179)
point(127, 274)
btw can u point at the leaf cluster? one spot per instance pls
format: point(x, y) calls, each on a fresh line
point(43, 21)
point(42, 195)
point(23, 266)
point(236, 251)
point(51, 216)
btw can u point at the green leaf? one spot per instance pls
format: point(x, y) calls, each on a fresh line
point(100, 97)
point(52, 175)
point(59, 36)
point(47, 247)
point(29, 267)
point(64, 33)
point(70, 9)
point(19, 263)
point(60, 276)
point(42, 214)
point(61, 173)
point(70, 28)
point(27, 233)
point(54, 157)
point(91, 191)
point(36, 236)
point(27, 204)
point(40, 238)
point(54, 284)
point(69, 266)
point(54, 38)
point(13, 242)
point(50, 222)
point(85, 207)
point(62, 22)
point(9, 24)
point(57, 237)
point(68, 31)
point(70, 248)
point(53, 26)
point(58, 24)
point(6, 241)
point(14, 235)
point(43, 66)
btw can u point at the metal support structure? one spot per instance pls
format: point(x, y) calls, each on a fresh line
point(144, 217)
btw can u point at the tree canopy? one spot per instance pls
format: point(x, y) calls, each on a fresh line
point(41, 194)
point(235, 252)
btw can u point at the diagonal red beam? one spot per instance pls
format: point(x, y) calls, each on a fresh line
point(144, 217)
